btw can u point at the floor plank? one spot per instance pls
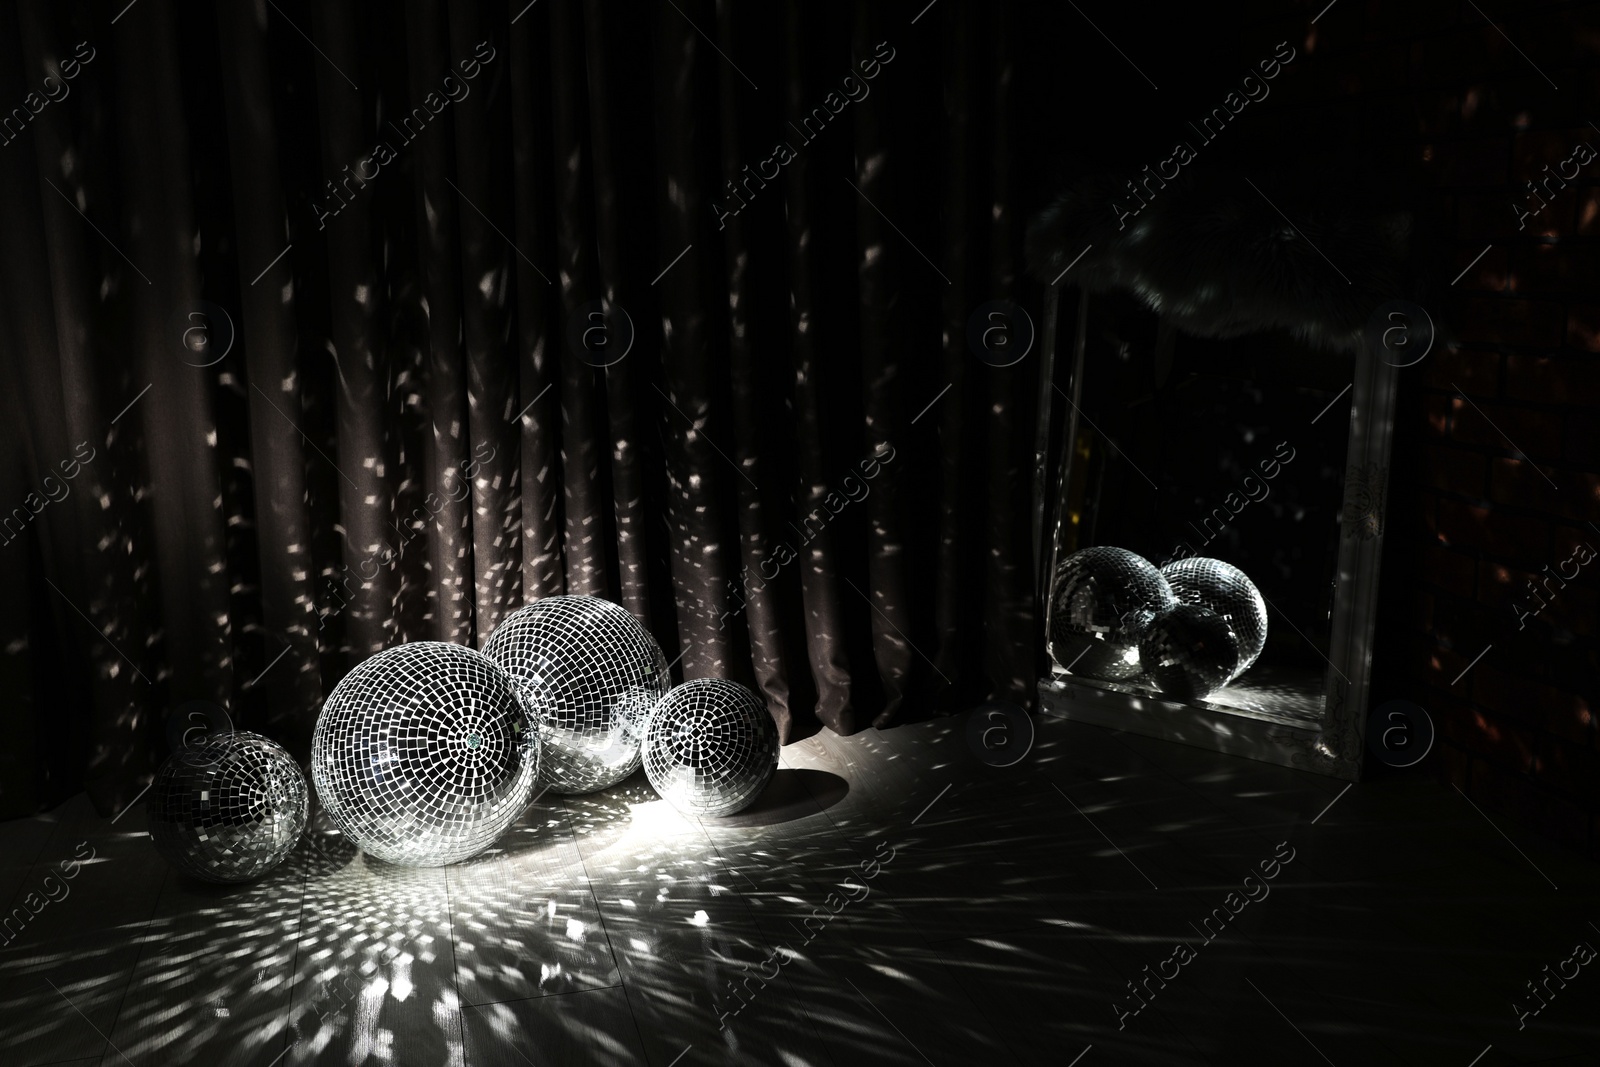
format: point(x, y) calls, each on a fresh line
point(374, 968)
point(188, 1002)
point(578, 1027)
point(524, 919)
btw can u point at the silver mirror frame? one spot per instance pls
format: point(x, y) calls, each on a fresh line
point(1333, 745)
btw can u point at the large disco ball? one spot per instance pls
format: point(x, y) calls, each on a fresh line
point(1189, 652)
point(590, 674)
point(1229, 592)
point(424, 754)
point(710, 747)
point(1101, 601)
point(229, 809)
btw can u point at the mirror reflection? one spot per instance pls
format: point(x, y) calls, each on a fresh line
point(1186, 449)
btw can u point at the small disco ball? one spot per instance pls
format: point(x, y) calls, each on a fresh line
point(1101, 601)
point(590, 674)
point(228, 809)
point(1229, 592)
point(710, 747)
point(424, 754)
point(1189, 652)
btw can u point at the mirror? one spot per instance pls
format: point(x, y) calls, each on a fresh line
point(1256, 450)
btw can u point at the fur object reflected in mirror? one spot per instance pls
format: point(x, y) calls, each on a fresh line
point(1219, 259)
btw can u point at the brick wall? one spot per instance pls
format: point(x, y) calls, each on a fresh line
point(1500, 480)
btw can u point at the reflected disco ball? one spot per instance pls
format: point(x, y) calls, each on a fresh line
point(229, 809)
point(1229, 592)
point(710, 747)
point(590, 674)
point(424, 754)
point(1189, 651)
point(1101, 601)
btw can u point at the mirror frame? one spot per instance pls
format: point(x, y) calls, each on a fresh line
point(1335, 746)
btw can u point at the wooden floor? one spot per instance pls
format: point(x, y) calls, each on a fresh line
point(958, 914)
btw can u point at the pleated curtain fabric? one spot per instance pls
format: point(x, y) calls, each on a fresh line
point(330, 326)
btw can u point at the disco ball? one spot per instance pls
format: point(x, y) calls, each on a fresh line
point(1189, 651)
point(424, 754)
point(1229, 592)
point(590, 674)
point(1101, 601)
point(710, 747)
point(229, 809)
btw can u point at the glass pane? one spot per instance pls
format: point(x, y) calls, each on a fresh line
point(1231, 449)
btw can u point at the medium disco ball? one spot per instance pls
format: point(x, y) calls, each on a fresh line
point(1101, 601)
point(710, 747)
point(590, 674)
point(424, 754)
point(1189, 651)
point(1229, 592)
point(228, 809)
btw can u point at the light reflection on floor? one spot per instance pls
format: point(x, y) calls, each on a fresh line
point(1009, 911)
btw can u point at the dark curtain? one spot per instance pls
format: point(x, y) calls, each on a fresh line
point(329, 326)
